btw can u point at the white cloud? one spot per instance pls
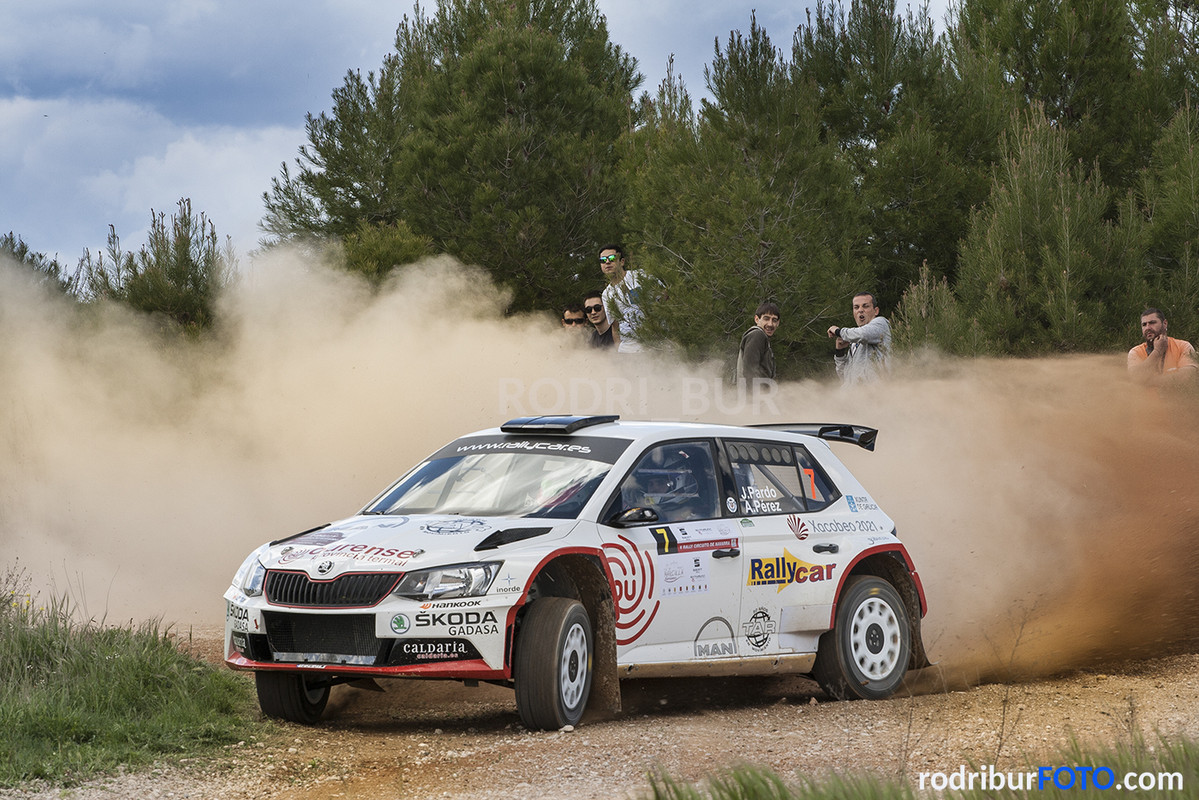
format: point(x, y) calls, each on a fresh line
point(224, 172)
point(73, 168)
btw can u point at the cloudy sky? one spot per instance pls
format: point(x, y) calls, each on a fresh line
point(109, 110)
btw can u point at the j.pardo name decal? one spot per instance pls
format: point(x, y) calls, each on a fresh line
point(760, 500)
point(784, 570)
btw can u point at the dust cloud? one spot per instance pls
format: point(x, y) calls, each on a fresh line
point(1050, 505)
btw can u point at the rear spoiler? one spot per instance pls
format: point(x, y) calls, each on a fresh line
point(834, 432)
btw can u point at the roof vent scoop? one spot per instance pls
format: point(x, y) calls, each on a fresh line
point(554, 423)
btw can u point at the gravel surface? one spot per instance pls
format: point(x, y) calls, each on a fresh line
point(440, 740)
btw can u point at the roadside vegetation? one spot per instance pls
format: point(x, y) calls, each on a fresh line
point(78, 697)
point(1172, 767)
point(1021, 180)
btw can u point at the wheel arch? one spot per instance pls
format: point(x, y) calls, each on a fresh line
point(583, 576)
point(893, 565)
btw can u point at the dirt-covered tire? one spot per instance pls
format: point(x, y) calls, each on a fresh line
point(865, 655)
point(552, 672)
point(290, 696)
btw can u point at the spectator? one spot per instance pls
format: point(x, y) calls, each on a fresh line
point(863, 354)
point(573, 317)
point(623, 297)
point(603, 334)
point(755, 359)
point(1161, 358)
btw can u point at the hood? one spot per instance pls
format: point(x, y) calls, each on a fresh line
point(400, 543)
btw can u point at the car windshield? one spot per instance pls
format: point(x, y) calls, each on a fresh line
point(517, 484)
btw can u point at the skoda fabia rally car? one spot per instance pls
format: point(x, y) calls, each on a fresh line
point(556, 555)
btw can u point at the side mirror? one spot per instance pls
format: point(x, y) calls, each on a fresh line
point(634, 516)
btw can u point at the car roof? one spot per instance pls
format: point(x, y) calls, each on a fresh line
point(610, 426)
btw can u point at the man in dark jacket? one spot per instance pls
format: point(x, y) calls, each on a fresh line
point(604, 333)
point(756, 359)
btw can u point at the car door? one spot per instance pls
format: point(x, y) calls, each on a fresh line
point(790, 570)
point(678, 578)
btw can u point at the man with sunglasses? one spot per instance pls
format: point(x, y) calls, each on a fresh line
point(603, 334)
point(623, 297)
point(573, 318)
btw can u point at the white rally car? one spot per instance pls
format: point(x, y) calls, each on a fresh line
point(557, 555)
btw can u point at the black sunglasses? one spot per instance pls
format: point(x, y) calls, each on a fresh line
point(593, 309)
point(574, 322)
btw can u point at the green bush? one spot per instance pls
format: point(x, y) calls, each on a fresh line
point(79, 697)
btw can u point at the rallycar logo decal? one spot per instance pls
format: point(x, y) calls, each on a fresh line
point(784, 570)
point(633, 575)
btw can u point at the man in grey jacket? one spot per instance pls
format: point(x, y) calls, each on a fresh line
point(863, 353)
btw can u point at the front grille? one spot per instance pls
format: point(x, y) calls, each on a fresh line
point(357, 590)
point(324, 638)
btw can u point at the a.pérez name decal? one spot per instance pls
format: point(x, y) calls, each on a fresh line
point(760, 500)
point(785, 570)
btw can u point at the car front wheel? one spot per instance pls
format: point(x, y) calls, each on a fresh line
point(295, 698)
point(553, 663)
point(865, 655)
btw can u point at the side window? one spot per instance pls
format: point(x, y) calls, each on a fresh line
point(773, 478)
point(677, 480)
point(818, 490)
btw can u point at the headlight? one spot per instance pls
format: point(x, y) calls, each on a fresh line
point(455, 580)
point(251, 574)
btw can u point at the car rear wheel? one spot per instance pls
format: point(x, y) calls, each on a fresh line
point(553, 663)
point(865, 655)
point(295, 698)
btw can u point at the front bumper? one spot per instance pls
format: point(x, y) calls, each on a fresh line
point(464, 639)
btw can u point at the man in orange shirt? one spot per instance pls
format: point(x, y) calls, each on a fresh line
point(1161, 358)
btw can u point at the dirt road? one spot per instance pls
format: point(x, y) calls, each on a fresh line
point(440, 740)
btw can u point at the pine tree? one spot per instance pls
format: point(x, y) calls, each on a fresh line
point(490, 132)
point(177, 274)
point(48, 270)
point(745, 204)
point(1042, 269)
point(1164, 215)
